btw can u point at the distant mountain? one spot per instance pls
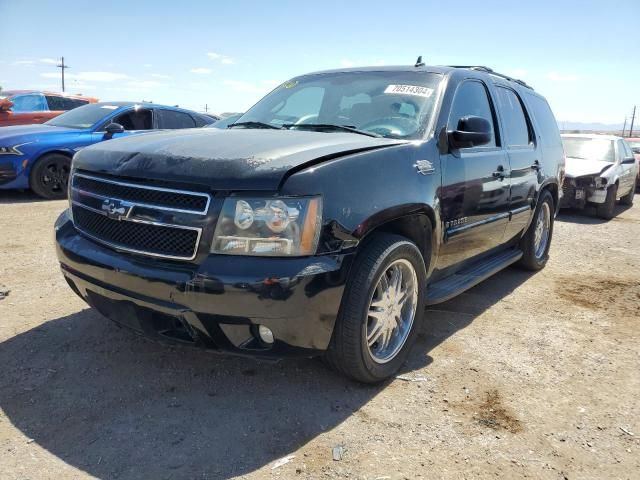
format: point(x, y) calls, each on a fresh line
point(599, 127)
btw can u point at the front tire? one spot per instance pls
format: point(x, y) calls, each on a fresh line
point(536, 241)
point(606, 210)
point(382, 307)
point(50, 176)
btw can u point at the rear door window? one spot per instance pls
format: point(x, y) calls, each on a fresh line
point(472, 100)
point(546, 124)
point(516, 132)
point(55, 102)
point(174, 120)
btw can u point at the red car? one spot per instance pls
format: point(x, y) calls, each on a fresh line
point(23, 107)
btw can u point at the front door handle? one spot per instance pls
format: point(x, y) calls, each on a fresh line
point(499, 173)
point(536, 166)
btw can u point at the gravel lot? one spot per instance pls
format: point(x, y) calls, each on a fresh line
point(523, 376)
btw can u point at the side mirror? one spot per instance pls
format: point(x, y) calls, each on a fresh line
point(112, 129)
point(471, 132)
point(636, 150)
point(5, 105)
point(628, 161)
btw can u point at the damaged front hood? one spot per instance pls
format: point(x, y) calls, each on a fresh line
point(235, 159)
point(577, 167)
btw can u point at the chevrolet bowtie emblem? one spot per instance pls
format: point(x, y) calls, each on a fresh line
point(116, 209)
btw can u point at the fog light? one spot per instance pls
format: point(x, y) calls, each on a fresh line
point(266, 335)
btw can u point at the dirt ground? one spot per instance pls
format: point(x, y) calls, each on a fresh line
point(523, 376)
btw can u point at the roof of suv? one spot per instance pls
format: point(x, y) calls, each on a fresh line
point(441, 69)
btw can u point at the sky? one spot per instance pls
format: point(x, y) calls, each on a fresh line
point(583, 56)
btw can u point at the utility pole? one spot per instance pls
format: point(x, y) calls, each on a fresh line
point(62, 67)
point(206, 107)
point(633, 117)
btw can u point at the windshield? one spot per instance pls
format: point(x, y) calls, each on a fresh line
point(82, 117)
point(386, 103)
point(585, 148)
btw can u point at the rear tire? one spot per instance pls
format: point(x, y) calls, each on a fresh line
point(628, 198)
point(606, 210)
point(50, 176)
point(536, 241)
point(375, 329)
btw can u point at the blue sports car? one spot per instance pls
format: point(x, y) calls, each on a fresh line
point(39, 156)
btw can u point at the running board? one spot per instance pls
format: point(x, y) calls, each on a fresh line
point(449, 287)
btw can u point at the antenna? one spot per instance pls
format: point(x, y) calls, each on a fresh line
point(419, 62)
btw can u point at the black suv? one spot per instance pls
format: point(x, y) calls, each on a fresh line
point(323, 220)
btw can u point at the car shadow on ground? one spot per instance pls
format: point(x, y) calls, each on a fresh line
point(118, 406)
point(587, 216)
point(19, 196)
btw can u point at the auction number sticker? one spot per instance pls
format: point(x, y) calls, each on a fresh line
point(410, 90)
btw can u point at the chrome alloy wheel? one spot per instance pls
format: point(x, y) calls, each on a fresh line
point(392, 309)
point(541, 234)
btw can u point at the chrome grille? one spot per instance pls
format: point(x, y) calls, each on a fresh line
point(143, 195)
point(106, 211)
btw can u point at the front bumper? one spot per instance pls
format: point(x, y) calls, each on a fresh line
point(8, 172)
point(217, 304)
point(578, 196)
point(13, 172)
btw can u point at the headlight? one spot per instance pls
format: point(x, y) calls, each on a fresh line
point(600, 182)
point(10, 151)
point(268, 226)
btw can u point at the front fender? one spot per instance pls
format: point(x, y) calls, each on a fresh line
point(363, 191)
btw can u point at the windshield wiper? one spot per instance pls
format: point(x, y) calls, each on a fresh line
point(254, 125)
point(331, 127)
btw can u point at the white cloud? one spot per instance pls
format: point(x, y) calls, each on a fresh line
point(201, 71)
point(224, 59)
point(24, 62)
point(346, 63)
point(49, 61)
point(89, 76)
point(561, 77)
point(147, 65)
point(160, 75)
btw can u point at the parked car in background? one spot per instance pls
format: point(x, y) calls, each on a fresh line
point(323, 220)
point(634, 143)
point(39, 156)
point(214, 118)
point(226, 121)
point(25, 107)
point(600, 170)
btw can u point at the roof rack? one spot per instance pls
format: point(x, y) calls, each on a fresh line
point(482, 68)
